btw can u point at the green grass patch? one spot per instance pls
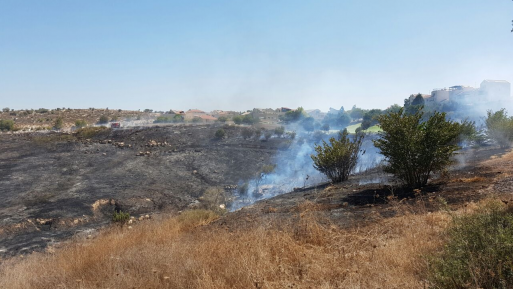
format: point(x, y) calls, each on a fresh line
point(373, 129)
point(478, 251)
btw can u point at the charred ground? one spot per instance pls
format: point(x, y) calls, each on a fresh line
point(53, 185)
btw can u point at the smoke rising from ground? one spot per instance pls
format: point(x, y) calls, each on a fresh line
point(294, 169)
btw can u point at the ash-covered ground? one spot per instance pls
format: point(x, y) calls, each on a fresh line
point(53, 185)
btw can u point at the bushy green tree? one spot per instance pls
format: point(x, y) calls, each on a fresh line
point(247, 133)
point(58, 123)
point(220, 133)
point(80, 123)
point(222, 119)
point(499, 127)
point(6, 124)
point(413, 148)
point(337, 159)
point(370, 118)
point(279, 131)
point(293, 115)
point(237, 119)
point(103, 119)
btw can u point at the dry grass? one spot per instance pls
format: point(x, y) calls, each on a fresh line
point(176, 253)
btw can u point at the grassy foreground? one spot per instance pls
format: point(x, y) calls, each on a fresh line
point(185, 252)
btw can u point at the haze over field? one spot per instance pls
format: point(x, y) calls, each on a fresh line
point(239, 55)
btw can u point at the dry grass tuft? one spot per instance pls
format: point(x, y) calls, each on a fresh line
point(305, 253)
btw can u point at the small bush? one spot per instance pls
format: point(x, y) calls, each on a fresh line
point(247, 133)
point(280, 130)
point(478, 253)
point(222, 119)
point(6, 124)
point(338, 159)
point(42, 110)
point(237, 119)
point(90, 132)
point(120, 217)
point(196, 119)
point(220, 133)
point(6, 109)
point(103, 119)
point(267, 135)
point(80, 123)
point(58, 124)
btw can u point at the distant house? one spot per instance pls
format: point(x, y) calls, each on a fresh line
point(266, 115)
point(207, 118)
point(174, 112)
point(192, 113)
point(316, 114)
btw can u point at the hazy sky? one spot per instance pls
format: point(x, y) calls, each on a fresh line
point(237, 55)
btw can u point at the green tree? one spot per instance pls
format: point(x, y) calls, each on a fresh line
point(6, 124)
point(279, 131)
point(499, 127)
point(237, 119)
point(220, 133)
point(196, 119)
point(58, 123)
point(325, 127)
point(103, 119)
point(338, 158)
point(413, 148)
point(222, 119)
point(80, 123)
point(247, 133)
point(370, 118)
point(293, 115)
point(6, 109)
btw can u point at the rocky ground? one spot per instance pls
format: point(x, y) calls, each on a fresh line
point(55, 185)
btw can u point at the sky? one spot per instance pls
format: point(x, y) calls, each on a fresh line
point(237, 55)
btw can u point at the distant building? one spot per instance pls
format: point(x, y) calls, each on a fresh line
point(192, 113)
point(316, 114)
point(498, 89)
point(490, 90)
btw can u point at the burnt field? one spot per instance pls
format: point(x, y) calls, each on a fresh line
point(53, 186)
point(56, 185)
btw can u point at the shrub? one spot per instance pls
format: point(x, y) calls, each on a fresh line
point(267, 135)
point(115, 118)
point(478, 253)
point(58, 124)
point(80, 123)
point(358, 130)
point(338, 158)
point(499, 127)
point(163, 119)
point(237, 119)
point(42, 110)
point(196, 119)
point(120, 217)
point(280, 130)
point(414, 149)
point(220, 133)
point(103, 119)
point(6, 109)
point(90, 132)
point(247, 133)
point(6, 124)
point(249, 119)
point(325, 127)
point(222, 119)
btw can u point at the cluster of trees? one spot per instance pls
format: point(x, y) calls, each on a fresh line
point(169, 119)
point(415, 144)
point(246, 119)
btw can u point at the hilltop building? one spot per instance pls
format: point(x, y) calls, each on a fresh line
point(490, 90)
